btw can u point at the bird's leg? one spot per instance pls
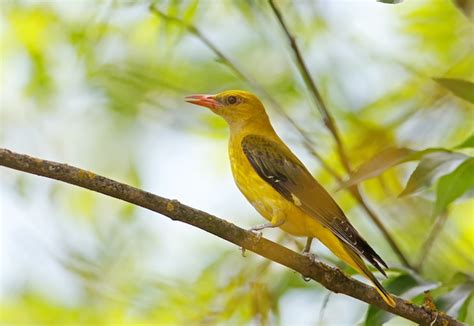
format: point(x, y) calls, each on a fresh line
point(278, 219)
point(265, 226)
point(307, 248)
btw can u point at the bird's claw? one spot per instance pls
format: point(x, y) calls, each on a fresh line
point(312, 259)
point(257, 232)
point(310, 256)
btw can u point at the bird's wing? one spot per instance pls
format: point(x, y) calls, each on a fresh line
point(286, 174)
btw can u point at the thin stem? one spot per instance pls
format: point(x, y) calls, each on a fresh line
point(316, 95)
point(331, 125)
point(331, 278)
point(428, 244)
point(373, 216)
point(323, 308)
point(308, 143)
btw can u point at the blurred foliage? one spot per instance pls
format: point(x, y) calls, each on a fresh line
point(461, 88)
point(85, 81)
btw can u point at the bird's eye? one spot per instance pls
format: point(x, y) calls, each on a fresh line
point(232, 100)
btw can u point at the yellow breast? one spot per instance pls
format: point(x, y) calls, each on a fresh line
point(262, 196)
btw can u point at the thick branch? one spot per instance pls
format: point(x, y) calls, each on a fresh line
point(331, 125)
point(331, 278)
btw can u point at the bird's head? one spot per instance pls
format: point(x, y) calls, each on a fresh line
point(234, 106)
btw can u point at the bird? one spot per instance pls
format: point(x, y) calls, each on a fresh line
point(280, 187)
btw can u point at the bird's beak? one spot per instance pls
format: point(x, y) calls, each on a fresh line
point(209, 101)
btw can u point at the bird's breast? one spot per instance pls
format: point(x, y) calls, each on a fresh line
point(257, 191)
point(263, 197)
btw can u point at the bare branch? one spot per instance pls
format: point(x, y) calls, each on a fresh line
point(331, 278)
point(373, 216)
point(308, 143)
point(318, 99)
point(428, 244)
point(331, 125)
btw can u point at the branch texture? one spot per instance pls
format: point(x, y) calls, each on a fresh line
point(331, 278)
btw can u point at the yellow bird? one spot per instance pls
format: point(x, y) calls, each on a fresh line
point(279, 186)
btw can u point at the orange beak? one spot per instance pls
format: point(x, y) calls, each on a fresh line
point(209, 101)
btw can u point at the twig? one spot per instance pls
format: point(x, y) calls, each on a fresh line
point(331, 125)
point(428, 244)
point(330, 277)
point(327, 118)
point(373, 216)
point(323, 307)
point(308, 143)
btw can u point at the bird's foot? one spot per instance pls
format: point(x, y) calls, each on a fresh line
point(261, 227)
point(256, 232)
point(255, 229)
point(311, 256)
point(312, 259)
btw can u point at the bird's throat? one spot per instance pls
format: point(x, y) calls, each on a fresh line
point(259, 125)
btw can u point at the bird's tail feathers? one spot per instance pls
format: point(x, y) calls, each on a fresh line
point(371, 256)
point(362, 268)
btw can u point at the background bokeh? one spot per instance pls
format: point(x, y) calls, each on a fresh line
point(100, 85)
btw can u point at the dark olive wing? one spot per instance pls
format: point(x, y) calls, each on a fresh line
point(287, 175)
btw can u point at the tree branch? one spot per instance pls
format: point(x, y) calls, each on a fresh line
point(331, 125)
point(331, 278)
point(318, 99)
point(432, 235)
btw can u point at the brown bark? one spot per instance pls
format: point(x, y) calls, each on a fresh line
point(330, 277)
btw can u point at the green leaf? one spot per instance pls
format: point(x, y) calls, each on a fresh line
point(386, 159)
point(466, 313)
point(378, 164)
point(453, 185)
point(467, 143)
point(431, 167)
point(457, 279)
point(190, 11)
point(461, 88)
point(173, 8)
point(453, 301)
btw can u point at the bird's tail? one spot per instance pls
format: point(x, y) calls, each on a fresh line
point(362, 268)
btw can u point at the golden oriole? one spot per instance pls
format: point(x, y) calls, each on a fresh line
point(279, 186)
